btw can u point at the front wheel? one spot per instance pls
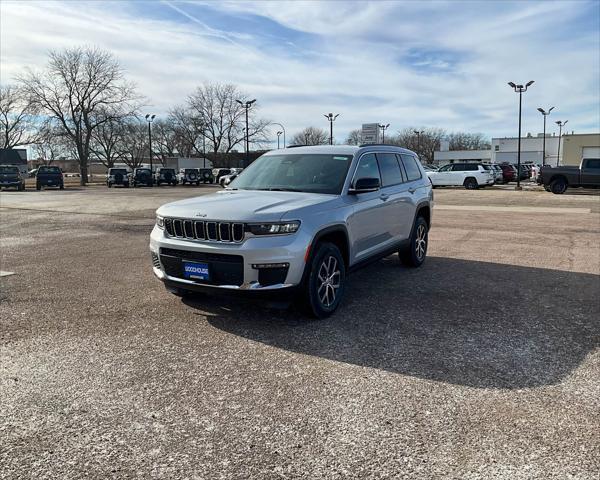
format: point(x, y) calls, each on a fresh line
point(414, 255)
point(38, 187)
point(62, 186)
point(324, 286)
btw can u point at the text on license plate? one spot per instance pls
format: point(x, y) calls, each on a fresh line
point(196, 271)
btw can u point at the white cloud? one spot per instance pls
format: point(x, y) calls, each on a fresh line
point(355, 61)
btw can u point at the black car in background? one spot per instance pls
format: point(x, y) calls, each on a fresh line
point(206, 175)
point(142, 176)
point(166, 175)
point(11, 176)
point(49, 176)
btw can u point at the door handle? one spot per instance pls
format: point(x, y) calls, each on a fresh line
point(384, 196)
point(412, 190)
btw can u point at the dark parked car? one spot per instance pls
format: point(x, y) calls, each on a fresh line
point(49, 176)
point(11, 176)
point(117, 176)
point(189, 175)
point(558, 179)
point(142, 176)
point(509, 173)
point(206, 175)
point(166, 175)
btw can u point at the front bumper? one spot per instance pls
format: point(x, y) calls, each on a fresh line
point(280, 249)
point(11, 183)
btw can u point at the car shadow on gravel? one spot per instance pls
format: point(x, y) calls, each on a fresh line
point(476, 324)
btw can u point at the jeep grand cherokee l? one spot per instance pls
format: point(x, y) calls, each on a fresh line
point(297, 220)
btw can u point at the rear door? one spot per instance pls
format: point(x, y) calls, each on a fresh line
point(417, 190)
point(443, 176)
point(590, 172)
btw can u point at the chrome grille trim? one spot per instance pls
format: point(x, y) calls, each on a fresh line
point(206, 231)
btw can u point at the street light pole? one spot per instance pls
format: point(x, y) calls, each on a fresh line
point(418, 140)
point(545, 114)
point(560, 125)
point(282, 129)
point(247, 106)
point(150, 119)
point(520, 89)
point(331, 118)
point(383, 129)
point(278, 135)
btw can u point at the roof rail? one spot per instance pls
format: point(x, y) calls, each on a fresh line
point(296, 146)
point(379, 145)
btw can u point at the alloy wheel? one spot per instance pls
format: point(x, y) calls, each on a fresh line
point(421, 241)
point(329, 281)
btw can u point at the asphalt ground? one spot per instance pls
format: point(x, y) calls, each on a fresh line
point(483, 363)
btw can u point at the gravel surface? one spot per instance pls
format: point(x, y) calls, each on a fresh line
point(483, 363)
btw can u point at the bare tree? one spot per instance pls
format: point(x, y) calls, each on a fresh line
point(81, 88)
point(468, 141)
point(311, 136)
point(134, 144)
point(424, 143)
point(354, 137)
point(165, 139)
point(215, 113)
point(108, 142)
point(50, 144)
point(17, 117)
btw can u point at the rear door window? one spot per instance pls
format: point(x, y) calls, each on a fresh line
point(413, 172)
point(592, 163)
point(390, 169)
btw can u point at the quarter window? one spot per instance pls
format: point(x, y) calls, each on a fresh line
point(413, 172)
point(390, 169)
point(367, 167)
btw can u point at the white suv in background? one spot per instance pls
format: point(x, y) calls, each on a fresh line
point(468, 175)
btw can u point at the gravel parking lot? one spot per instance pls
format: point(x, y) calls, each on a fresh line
point(483, 363)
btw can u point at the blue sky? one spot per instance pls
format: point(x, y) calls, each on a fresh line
point(439, 64)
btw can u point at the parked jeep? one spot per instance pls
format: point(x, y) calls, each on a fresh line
point(166, 175)
point(142, 176)
point(11, 176)
point(558, 179)
point(117, 176)
point(297, 221)
point(49, 176)
point(206, 175)
point(220, 172)
point(189, 175)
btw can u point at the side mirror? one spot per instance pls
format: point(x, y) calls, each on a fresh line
point(364, 185)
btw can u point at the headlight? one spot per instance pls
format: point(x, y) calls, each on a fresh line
point(273, 228)
point(160, 222)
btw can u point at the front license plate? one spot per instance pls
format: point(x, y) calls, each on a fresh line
point(196, 271)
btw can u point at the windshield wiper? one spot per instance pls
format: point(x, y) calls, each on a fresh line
point(280, 189)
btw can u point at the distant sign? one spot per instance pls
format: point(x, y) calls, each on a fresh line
point(370, 133)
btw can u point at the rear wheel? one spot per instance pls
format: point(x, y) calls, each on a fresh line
point(326, 279)
point(414, 255)
point(62, 186)
point(558, 186)
point(38, 187)
point(471, 183)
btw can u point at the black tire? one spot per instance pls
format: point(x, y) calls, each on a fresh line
point(198, 183)
point(416, 252)
point(38, 187)
point(62, 186)
point(471, 183)
point(109, 185)
point(327, 262)
point(558, 186)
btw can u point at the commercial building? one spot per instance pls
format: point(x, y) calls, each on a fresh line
point(574, 147)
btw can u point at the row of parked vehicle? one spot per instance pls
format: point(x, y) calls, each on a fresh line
point(45, 176)
point(145, 177)
point(476, 175)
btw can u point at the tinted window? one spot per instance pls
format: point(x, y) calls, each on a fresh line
point(486, 167)
point(445, 168)
point(367, 167)
point(49, 170)
point(9, 170)
point(390, 169)
point(413, 172)
point(592, 163)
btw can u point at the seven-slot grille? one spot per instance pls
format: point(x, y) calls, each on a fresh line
point(204, 230)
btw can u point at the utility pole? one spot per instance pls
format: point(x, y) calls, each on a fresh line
point(383, 129)
point(560, 125)
point(247, 106)
point(418, 140)
point(150, 119)
point(520, 89)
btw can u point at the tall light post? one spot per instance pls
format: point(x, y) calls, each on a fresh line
point(278, 135)
point(560, 125)
point(519, 89)
point(331, 118)
point(383, 129)
point(545, 114)
point(418, 133)
point(247, 106)
point(282, 129)
point(150, 119)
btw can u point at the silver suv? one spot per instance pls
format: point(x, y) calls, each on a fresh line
point(297, 220)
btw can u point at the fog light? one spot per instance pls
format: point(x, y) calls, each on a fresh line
point(258, 266)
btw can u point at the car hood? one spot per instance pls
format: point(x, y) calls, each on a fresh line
point(243, 205)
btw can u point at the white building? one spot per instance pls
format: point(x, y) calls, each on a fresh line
point(504, 150)
point(455, 156)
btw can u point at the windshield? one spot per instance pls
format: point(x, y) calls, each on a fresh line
point(9, 170)
point(114, 171)
point(49, 170)
point(310, 172)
